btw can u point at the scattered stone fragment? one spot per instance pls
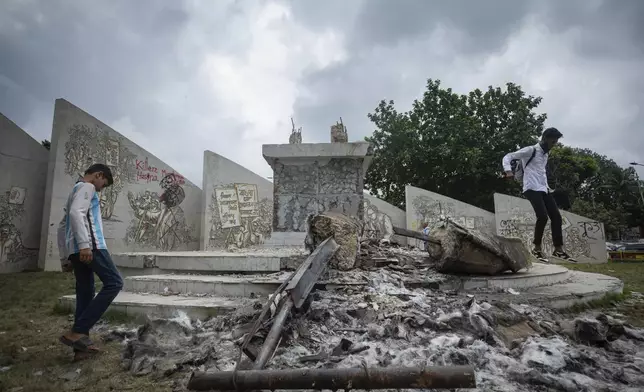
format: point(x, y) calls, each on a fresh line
point(590, 331)
point(71, 376)
point(346, 232)
point(379, 319)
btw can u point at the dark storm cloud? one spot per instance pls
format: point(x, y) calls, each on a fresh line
point(113, 59)
point(610, 29)
point(389, 52)
point(486, 23)
point(139, 64)
point(96, 52)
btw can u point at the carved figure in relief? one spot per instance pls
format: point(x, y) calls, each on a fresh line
point(159, 221)
point(296, 136)
point(377, 224)
point(12, 249)
point(87, 145)
point(239, 219)
point(434, 212)
point(10, 243)
point(339, 133)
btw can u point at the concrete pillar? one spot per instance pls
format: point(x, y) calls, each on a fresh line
point(313, 178)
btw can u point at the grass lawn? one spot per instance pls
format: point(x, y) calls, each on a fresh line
point(632, 274)
point(29, 348)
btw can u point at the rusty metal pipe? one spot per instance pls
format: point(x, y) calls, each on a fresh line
point(334, 379)
point(273, 337)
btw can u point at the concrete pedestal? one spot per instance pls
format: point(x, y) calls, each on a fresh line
point(313, 178)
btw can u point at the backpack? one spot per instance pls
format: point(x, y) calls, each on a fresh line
point(518, 168)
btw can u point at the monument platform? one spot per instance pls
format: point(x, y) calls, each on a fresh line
point(539, 275)
point(580, 288)
point(155, 305)
point(203, 296)
point(206, 262)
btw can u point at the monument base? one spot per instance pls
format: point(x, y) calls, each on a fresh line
point(288, 239)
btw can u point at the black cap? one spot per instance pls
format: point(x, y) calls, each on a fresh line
point(552, 133)
point(99, 167)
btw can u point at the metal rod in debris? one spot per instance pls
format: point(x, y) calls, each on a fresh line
point(334, 379)
point(274, 335)
point(415, 234)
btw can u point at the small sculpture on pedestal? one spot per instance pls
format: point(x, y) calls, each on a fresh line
point(296, 136)
point(339, 133)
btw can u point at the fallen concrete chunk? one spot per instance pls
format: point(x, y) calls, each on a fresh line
point(346, 232)
point(459, 250)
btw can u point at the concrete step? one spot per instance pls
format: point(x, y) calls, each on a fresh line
point(580, 288)
point(250, 260)
point(140, 305)
point(218, 285)
point(540, 274)
point(248, 286)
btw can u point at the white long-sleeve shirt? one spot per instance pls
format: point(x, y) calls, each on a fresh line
point(82, 225)
point(534, 176)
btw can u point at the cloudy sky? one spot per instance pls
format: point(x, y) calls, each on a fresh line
point(181, 76)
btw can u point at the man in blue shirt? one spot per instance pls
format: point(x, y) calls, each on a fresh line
point(82, 247)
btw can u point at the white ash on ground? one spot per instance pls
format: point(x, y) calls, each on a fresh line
point(384, 323)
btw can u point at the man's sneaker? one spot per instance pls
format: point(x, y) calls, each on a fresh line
point(563, 256)
point(539, 255)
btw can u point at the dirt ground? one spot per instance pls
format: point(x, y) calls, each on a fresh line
point(32, 360)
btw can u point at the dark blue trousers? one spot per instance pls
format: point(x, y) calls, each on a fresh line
point(90, 308)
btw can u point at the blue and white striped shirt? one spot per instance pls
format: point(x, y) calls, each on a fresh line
point(82, 225)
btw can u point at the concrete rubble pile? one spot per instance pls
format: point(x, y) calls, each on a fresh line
point(380, 320)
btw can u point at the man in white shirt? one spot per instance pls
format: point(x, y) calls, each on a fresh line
point(82, 244)
point(533, 160)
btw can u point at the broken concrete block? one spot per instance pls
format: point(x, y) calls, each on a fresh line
point(464, 251)
point(346, 232)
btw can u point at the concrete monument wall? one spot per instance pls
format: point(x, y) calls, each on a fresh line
point(380, 217)
point(23, 175)
point(313, 178)
point(584, 238)
point(237, 205)
point(428, 207)
point(149, 207)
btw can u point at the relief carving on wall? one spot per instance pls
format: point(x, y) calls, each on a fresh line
point(433, 212)
point(377, 224)
point(296, 135)
point(12, 249)
point(239, 219)
point(577, 237)
point(159, 221)
point(89, 145)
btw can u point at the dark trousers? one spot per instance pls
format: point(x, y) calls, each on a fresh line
point(90, 309)
point(544, 206)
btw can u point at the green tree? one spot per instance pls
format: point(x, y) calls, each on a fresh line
point(599, 188)
point(451, 143)
point(571, 169)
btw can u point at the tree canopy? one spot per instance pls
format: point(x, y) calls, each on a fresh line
point(453, 144)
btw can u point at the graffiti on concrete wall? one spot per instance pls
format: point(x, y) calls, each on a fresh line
point(377, 224)
point(577, 236)
point(12, 209)
point(159, 220)
point(432, 211)
point(239, 218)
point(88, 145)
